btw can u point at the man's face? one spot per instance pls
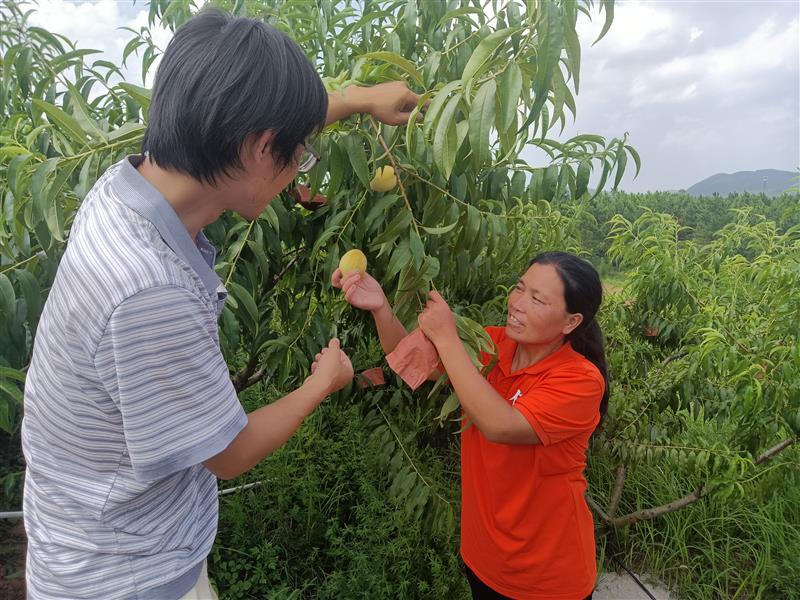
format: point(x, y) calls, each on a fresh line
point(260, 181)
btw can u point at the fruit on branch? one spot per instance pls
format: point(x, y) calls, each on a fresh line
point(383, 180)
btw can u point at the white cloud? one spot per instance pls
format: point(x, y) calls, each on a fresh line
point(636, 25)
point(694, 33)
point(96, 24)
point(722, 69)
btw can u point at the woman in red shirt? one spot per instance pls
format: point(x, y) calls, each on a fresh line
point(526, 531)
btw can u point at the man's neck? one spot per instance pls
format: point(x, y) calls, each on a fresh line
point(195, 203)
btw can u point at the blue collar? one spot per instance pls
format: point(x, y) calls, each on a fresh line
point(148, 202)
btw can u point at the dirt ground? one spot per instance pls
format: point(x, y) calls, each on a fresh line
point(12, 560)
point(616, 586)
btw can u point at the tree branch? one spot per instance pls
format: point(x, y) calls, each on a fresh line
point(248, 376)
point(658, 511)
point(616, 493)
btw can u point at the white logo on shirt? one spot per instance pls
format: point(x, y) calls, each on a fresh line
point(515, 397)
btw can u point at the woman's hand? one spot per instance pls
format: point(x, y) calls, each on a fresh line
point(361, 290)
point(438, 322)
point(331, 369)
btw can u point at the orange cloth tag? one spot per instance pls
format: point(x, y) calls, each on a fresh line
point(371, 378)
point(414, 358)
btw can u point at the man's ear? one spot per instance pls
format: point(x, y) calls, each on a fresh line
point(256, 149)
point(573, 320)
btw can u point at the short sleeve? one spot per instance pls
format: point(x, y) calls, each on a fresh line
point(497, 334)
point(163, 368)
point(563, 404)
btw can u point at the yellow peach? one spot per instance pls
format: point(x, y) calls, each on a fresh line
point(353, 260)
point(383, 180)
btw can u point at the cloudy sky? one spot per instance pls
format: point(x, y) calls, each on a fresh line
point(702, 87)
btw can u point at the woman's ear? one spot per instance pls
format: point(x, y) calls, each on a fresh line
point(573, 320)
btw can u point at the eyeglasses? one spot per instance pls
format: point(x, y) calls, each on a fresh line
point(308, 159)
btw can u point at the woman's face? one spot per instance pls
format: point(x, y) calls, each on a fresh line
point(537, 311)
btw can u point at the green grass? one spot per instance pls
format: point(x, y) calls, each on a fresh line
point(323, 524)
point(736, 548)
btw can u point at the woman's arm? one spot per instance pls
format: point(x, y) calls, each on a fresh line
point(489, 412)
point(364, 292)
point(390, 329)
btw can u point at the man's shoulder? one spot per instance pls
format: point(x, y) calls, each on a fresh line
point(121, 251)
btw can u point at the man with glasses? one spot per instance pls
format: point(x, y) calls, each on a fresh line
point(130, 414)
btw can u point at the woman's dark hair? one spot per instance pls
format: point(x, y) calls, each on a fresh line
point(583, 293)
point(222, 79)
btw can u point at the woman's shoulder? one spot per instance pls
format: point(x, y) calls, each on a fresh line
point(575, 365)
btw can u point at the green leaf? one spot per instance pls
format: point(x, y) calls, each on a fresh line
point(399, 224)
point(128, 132)
point(83, 114)
point(601, 184)
point(481, 117)
point(622, 160)
point(14, 180)
point(437, 104)
point(439, 230)
point(445, 140)
point(582, 184)
point(416, 247)
point(32, 294)
point(138, 93)
point(484, 51)
point(358, 158)
point(51, 208)
point(549, 182)
point(572, 44)
point(548, 54)
point(64, 59)
point(400, 257)
point(245, 299)
point(608, 6)
point(509, 92)
point(460, 12)
point(39, 184)
point(402, 63)
point(379, 208)
point(410, 23)
point(8, 299)
point(637, 161)
point(450, 405)
point(14, 374)
point(65, 122)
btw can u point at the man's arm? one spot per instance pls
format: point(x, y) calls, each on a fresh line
point(267, 429)
point(270, 426)
point(390, 103)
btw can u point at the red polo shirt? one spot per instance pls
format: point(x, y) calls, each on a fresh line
point(526, 530)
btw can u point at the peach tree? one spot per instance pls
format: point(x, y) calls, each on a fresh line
point(464, 213)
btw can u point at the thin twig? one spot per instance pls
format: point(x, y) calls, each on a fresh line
point(410, 460)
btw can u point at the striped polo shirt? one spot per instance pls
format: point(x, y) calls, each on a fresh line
point(127, 394)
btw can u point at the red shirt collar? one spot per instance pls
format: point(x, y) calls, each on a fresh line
point(505, 355)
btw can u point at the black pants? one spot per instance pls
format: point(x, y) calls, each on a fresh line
point(481, 591)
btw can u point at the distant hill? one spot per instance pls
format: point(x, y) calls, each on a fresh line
point(746, 181)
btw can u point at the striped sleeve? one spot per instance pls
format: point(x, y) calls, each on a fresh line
point(163, 368)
